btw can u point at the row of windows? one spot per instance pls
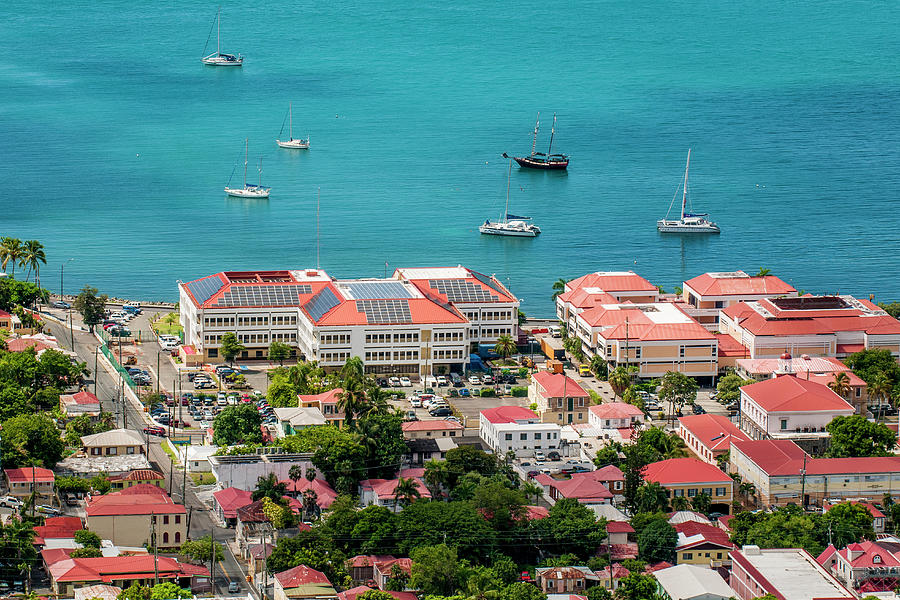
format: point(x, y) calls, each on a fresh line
point(495, 332)
point(250, 320)
point(570, 401)
point(165, 519)
point(496, 315)
point(720, 491)
point(284, 337)
point(559, 416)
point(389, 338)
point(523, 437)
point(112, 451)
point(448, 336)
point(218, 321)
point(334, 338)
point(690, 555)
point(253, 338)
point(448, 354)
point(334, 356)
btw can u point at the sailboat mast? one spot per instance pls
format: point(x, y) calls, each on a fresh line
point(218, 30)
point(684, 190)
point(552, 131)
point(259, 170)
point(291, 118)
point(246, 155)
point(506, 210)
point(537, 124)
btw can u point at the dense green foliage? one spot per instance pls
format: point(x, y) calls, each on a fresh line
point(201, 550)
point(855, 435)
point(657, 542)
point(91, 306)
point(874, 365)
point(31, 439)
point(237, 424)
point(88, 539)
point(14, 293)
point(729, 388)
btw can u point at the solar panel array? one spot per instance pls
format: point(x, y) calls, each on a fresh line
point(321, 303)
point(461, 290)
point(385, 311)
point(487, 281)
point(263, 295)
point(203, 289)
point(373, 290)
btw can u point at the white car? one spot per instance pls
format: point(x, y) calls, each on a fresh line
point(539, 456)
point(474, 380)
point(10, 502)
point(487, 380)
point(405, 382)
point(394, 381)
point(431, 381)
point(415, 402)
point(442, 381)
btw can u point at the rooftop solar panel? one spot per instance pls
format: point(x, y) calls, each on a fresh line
point(461, 290)
point(383, 311)
point(263, 295)
point(321, 303)
point(204, 289)
point(487, 281)
point(373, 290)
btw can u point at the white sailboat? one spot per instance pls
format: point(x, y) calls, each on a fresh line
point(249, 190)
point(297, 144)
point(219, 58)
point(510, 225)
point(688, 222)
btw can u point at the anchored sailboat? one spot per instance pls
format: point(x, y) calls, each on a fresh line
point(291, 142)
point(689, 222)
point(511, 225)
point(249, 190)
point(539, 160)
point(219, 58)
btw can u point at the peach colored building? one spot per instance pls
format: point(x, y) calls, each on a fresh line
point(656, 338)
point(709, 436)
point(708, 294)
point(602, 287)
point(559, 398)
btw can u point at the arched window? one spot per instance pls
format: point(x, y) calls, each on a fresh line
point(177, 537)
point(876, 559)
point(166, 537)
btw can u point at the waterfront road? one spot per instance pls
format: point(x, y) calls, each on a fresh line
point(108, 390)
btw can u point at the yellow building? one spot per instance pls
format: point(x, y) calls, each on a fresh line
point(559, 398)
point(128, 517)
point(22, 482)
point(115, 442)
point(708, 294)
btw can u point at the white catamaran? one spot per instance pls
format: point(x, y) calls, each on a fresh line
point(511, 225)
point(249, 190)
point(689, 222)
point(297, 144)
point(219, 58)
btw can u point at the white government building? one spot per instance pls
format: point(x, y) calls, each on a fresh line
point(420, 321)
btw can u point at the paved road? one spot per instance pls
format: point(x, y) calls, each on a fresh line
point(201, 520)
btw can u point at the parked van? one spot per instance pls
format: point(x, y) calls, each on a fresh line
point(555, 331)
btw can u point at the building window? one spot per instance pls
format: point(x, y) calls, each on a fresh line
point(129, 450)
point(858, 392)
point(177, 521)
point(707, 491)
point(537, 436)
point(166, 538)
point(678, 492)
point(784, 424)
point(692, 492)
point(687, 555)
point(165, 519)
point(178, 538)
point(523, 436)
point(508, 437)
point(720, 491)
point(213, 353)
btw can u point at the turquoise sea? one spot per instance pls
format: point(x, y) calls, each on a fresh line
point(117, 142)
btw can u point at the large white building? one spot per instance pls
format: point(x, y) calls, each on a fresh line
point(519, 429)
point(418, 322)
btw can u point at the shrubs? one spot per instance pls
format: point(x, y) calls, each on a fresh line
point(519, 392)
point(487, 392)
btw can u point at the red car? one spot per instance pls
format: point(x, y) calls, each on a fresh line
point(152, 430)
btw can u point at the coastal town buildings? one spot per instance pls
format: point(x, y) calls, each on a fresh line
point(866, 566)
point(22, 482)
point(517, 429)
point(690, 477)
point(591, 488)
point(702, 544)
point(782, 472)
point(419, 322)
point(813, 325)
point(786, 573)
point(559, 398)
point(709, 436)
point(788, 407)
point(128, 517)
point(708, 294)
point(303, 582)
point(654, 337)
point(615, 415)
point(690, 582)
point(67, 574)
point(602, 287)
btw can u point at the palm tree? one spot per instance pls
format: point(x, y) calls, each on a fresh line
point(505, 346)
point(532, 489)
point(763, 272)
point(620, 380)
point(881, 388)
point(269, 487)
point(353, 370)
point(310, 503)
point(295, 473)
point(32, 257)
point(559, 286)
point(352, 400)
point(406, 491)
point(436, 476)
point(680, 503)
point(10, 251)
point(840, 385)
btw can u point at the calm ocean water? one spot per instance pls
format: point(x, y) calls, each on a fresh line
point(117, 142)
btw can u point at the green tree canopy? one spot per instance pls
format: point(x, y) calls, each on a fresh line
point(28, 438)
point(15, 293)
point(846, 523)
point(729, 388)
point(269, 487)
point(375, 595)
point(312, 549)
point(169, 591)
point(88, 539)
point(637, 587)
point(86, 552)
point(237, 424)
point(91, 306)
point(337, 454)
point(458, 524)
point(677, 389)
point(201, 550)
point(501, 506)
point(435, 569)
point(279, 352)
point(855, 435)
point(657, 542)
point(570, 527)
point(230, 346)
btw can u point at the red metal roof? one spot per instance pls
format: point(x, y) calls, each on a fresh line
point(431, 425)
point(639, 327)
point(619, 527)
point(325, 494)
point(675, 471)
point(616, 410)
point(785, 458)
point(140, 499)
point(584, 487)
point(385, 488)
point(557, 385)
point(728, 346)
point(624, 281)
point(231, 499)
point(121, 567)
point(789, 393)
point(300, 575)
point(738, 284)
point(509, 414)
point(24, 475)
point(714, 431)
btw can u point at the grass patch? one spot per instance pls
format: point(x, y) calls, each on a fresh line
point(203, 478)
point(167, 325)
point(167, 448)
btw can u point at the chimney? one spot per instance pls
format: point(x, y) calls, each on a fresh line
point(751, 550)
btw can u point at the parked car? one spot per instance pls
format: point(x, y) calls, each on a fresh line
point(405, 382)
point(61, 304)
point(487, 380)
point(464, 393)
point(580, 469)
point(233, 586)
point(533, 474)
point(697, 409)
point(46, 509)
point(382, 382)
point(441, 411)
point(474, 380)
point(415, 402)
point(10, 502)
point(71, 499)
point(584, 371)
point(394, 382)
point(442, 381)
point(153, 430)
point(539, 456)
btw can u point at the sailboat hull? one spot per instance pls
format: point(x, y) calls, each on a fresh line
point(294, 144)
point(666, 226)
point(248, 192)
point(505, 229)
point(530, 162)
point(223, 60)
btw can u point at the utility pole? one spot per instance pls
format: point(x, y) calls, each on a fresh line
point(803, 482)
point(184, 476)
point(155, 549)
point(609, 556)
point(96, 375)
point(212, 559)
